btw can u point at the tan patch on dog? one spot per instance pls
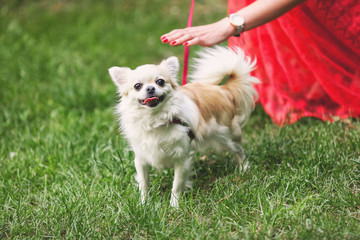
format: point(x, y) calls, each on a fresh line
point(214, 101)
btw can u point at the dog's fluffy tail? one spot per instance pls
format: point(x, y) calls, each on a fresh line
point(215, 64)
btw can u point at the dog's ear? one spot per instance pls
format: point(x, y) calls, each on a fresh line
point(119, 75)
point(172, 64)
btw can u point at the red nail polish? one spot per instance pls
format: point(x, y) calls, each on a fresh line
point(165, 40)
point(162, 38)
point(173, 42)
point(185, 44)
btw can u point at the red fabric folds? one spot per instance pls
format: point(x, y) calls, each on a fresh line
point(308, 60)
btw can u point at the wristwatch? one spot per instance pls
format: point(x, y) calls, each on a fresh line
point(238, 23)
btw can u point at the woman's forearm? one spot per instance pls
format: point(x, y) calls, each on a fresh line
point(263, 11)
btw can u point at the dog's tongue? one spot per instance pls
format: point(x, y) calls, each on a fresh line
point(151, 99)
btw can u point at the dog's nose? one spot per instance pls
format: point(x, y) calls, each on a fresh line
point(150, 89)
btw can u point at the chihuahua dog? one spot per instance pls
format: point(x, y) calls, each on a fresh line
point(165, 123)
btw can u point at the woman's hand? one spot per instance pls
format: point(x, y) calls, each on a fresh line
point(206, 35)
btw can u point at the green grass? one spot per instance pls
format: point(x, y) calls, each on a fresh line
point(65, 172)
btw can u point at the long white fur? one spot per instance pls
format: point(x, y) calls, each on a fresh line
point(159, 143)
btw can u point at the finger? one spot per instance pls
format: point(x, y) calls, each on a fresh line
point(164, 39)
point(181, 40)
point(192, 42)
point(175, 31)
point(171, 36)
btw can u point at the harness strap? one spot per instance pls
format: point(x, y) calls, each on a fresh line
point(190, 132)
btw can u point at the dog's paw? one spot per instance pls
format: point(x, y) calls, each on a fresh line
point(174, 202)
point(143, 198)
point(244, 166)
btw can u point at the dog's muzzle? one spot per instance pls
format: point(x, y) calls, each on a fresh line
point(152, 101)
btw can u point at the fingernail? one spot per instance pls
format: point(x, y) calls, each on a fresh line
point(173, 42)
point(165, 40)
point(163, 37)
point(185, 44)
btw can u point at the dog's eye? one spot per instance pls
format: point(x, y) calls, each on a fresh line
point(160, 82)
point(138, 86)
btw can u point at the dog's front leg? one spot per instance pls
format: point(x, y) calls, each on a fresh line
point(182, 173)
point(142, 177)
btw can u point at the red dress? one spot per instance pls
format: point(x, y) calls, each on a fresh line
point(308, 60)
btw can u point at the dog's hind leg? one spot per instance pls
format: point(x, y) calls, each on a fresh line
point(236, 135)
point(240, 155)
point(142, 177)
point(181, 176)
point(241, 158)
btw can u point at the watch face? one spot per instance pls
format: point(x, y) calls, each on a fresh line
point(237, 20)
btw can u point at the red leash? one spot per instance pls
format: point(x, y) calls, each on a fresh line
point(186, 49)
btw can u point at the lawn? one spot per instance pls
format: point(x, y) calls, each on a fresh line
point(66, 172)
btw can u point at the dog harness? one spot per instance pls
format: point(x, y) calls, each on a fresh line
point(179, 121)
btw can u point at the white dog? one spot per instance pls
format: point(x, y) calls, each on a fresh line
point(165, 123)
